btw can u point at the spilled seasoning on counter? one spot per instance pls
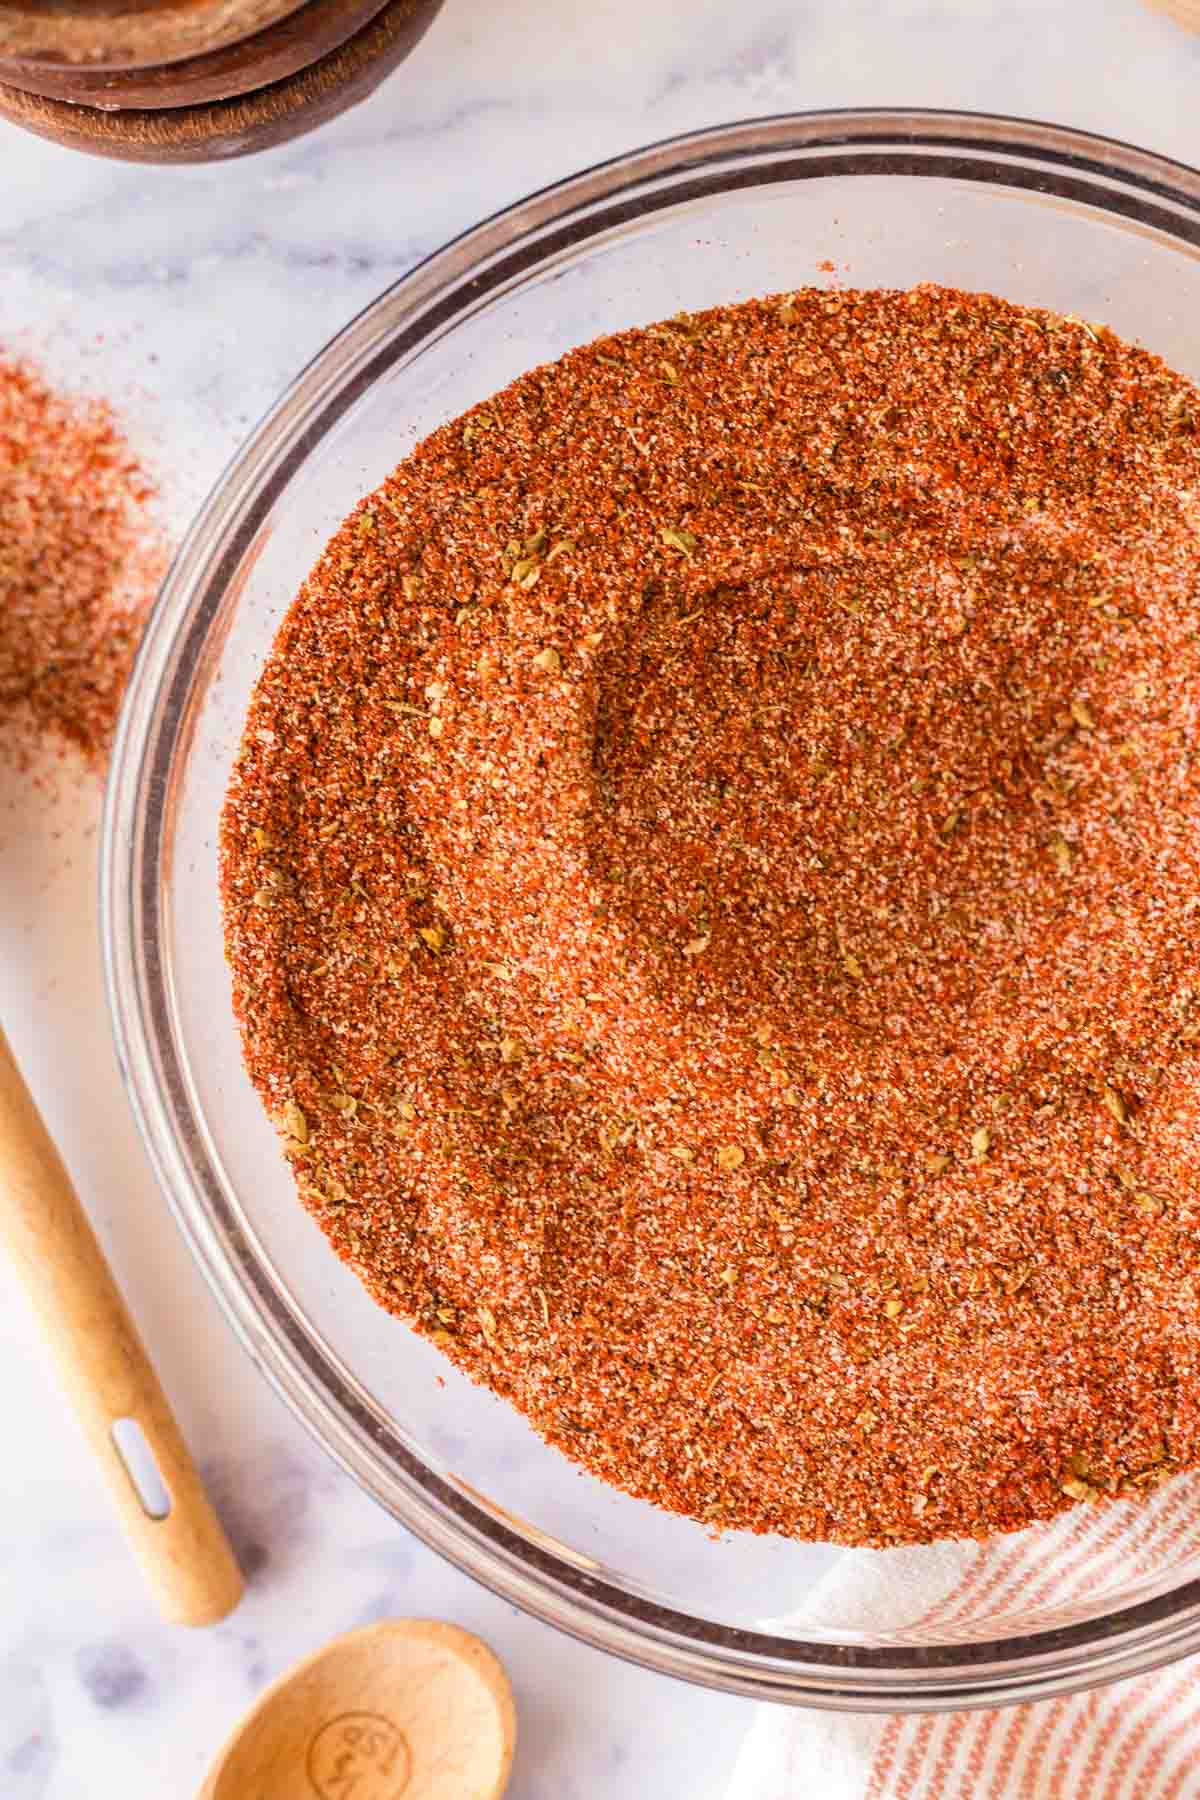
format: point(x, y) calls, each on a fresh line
point(80, 561)
point(712, 883)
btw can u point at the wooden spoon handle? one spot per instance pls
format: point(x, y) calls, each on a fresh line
point(103, 1365)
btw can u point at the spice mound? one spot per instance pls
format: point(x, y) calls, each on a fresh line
point(80, 559)
point(712, 883)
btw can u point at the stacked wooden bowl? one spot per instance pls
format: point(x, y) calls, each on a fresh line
point(194, 80)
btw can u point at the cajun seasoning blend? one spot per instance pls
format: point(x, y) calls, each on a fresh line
point(80, 561)
point(712, 887)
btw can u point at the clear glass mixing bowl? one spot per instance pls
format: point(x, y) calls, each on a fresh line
point(1029, 211)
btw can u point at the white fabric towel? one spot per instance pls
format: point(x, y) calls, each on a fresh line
point(1135, 1740)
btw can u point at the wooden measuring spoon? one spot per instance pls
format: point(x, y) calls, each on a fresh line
point(411, 1708)
point(107, 1375)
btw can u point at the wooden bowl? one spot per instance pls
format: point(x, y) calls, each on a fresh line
point(292, 43)
point(128, 34)
point(241, 125)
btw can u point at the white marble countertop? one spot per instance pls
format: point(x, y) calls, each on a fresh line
point(193, 296)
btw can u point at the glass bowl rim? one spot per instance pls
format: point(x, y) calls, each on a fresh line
point(153, 733)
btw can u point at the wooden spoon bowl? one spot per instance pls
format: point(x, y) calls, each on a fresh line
point(411, 1708)
point(303, 37)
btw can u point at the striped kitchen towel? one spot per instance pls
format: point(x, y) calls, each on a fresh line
point(1135, 1740)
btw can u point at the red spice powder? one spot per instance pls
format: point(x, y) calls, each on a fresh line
point(712, 883)
point(80, 560)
